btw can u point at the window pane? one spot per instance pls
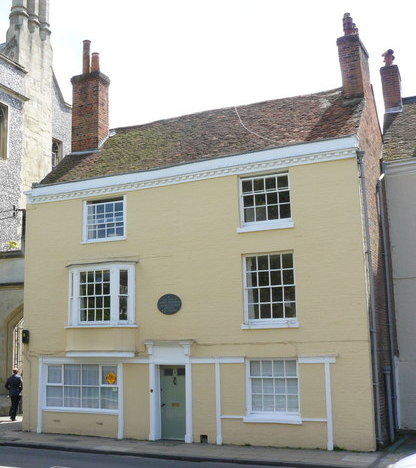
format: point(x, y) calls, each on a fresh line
point(292, 386)
point(253, 311)
point(123, 282)
point(277, 294)
point(280, 386)
point(265, 311)
point(273, 212)
point(275, 262)
point(255, 368)
point(249, 215)
point(261, 214)
point(282, 182)
point(256, 385)
point(265, 295)
point(257, 403)
point(275, 277)
point(268, 402)
point(278, 368)
point(54, 374)
point(72, 374)
point(277, 311)
point(292, 403)
point(287, 261)
point(263, 262)
point(289, 293)
point(290, 367)
point(109, 397)
point(247, 186)
point(109, 375)
point(260, 200)
point(290, 309)
point(270, 183)
point(251, 263)
point(54, 396)
point(284, 197)
point(284, 211)
point(90, 373)
point(91, 397)
point(266, 368)
point(288, 277)
point(268, 386)
point(258, 185)
point(122, 314)
point(280, 403)
point(72, 397)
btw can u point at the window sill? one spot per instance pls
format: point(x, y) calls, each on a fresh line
point(105, 325)
point(80, 410)
point(106, 239)
point(274, 419)
point(283, 323)
point(267, 225)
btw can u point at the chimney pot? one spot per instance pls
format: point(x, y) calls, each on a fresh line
point(86, 57)
point(353, 59)
point(388, 57)
point(95, 62)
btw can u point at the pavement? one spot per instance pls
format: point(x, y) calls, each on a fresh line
point(11, 434)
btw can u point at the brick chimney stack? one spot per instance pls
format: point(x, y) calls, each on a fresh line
point(353, 59)
point(391, 84)
point(90, 122)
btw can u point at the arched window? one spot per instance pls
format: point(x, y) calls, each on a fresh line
point(3, 131)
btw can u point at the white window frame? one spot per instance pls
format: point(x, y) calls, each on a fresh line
point(280, 223)
point(289, 322)
point(280, 417)
point(86, 203)
point(56, 156)
point(72, 409)
point(74, 318)
point(4, 132)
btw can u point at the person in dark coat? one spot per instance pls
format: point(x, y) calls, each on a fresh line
point(14, 385)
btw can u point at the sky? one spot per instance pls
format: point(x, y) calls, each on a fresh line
point(167, 58)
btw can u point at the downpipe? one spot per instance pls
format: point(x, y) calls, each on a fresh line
point(373, 321)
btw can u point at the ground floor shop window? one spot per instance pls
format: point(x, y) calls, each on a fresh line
point(89, 386)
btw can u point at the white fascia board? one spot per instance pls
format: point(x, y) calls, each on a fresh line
point(99, 354)
point(255, 162)
point(400, 167)
point(330, 359)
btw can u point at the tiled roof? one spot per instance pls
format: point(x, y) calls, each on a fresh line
point(400, 132)
point(215, 133)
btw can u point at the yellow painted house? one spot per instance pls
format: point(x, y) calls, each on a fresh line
point(216, 277)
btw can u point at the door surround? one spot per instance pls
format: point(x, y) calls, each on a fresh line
point(172, 352)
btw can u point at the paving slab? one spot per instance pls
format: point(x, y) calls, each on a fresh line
point(11, 433)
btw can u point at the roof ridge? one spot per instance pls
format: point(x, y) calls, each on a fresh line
point(230, 108)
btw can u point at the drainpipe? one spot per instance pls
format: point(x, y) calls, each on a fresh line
point(389, 398)
point(388, 275)
point(372, 308)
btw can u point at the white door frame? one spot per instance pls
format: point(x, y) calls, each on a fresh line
point(175, 353)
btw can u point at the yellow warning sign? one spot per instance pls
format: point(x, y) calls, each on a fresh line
point(111, 378)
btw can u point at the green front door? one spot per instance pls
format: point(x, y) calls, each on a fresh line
point(172, 399)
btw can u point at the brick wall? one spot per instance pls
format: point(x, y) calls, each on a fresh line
point(89, 110)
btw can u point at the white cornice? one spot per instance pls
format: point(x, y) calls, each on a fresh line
point(248, 163)
point(400, 167)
